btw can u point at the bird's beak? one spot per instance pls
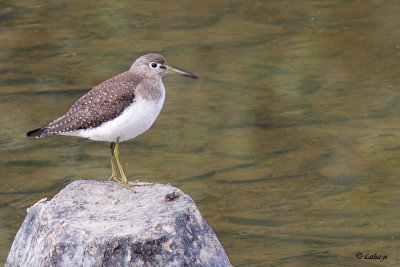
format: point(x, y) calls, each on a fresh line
point(181, 72)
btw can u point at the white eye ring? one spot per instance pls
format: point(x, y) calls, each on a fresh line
point(153, 65)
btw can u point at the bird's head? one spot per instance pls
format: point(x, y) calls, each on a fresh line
point(155, 65)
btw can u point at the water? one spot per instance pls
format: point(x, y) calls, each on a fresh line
point(288, 142)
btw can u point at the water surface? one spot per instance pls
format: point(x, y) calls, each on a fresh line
point(289, 142)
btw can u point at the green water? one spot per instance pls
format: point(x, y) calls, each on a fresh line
point(289, 142)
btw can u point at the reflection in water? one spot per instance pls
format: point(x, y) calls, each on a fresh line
point(288, 143)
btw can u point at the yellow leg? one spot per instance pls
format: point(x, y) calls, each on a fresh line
point(114, 147)
point(121, 170)
point(114, 175)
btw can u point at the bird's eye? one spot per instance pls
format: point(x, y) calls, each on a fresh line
point(153, 65)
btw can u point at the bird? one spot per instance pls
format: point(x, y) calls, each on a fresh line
point(118, 109)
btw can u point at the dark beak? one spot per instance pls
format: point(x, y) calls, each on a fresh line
point(181, 72)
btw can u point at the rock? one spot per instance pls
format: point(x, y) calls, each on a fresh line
point(101, 223)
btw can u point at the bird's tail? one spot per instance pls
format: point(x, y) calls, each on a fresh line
point(39, 132)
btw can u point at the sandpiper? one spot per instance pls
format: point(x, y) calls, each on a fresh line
point(118, 109)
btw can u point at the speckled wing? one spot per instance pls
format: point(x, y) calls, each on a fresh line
point(103, 103)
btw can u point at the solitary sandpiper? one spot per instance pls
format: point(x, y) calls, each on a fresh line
point(118, 109)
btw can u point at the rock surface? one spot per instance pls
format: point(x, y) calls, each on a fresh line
point(101, 223)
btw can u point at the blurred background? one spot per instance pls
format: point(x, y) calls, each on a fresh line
point(289, 142)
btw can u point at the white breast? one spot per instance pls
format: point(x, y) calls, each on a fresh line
point(133, 121)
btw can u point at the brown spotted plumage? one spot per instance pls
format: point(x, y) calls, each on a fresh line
point(103, 103)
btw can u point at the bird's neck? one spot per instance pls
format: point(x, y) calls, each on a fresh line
point(151, 89)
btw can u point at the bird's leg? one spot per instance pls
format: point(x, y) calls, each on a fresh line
point(123, 179)
point(121, 170)
point(114, 175)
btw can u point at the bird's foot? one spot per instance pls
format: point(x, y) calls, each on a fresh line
point(127, 183)
point(115, 178)
point(121, 181)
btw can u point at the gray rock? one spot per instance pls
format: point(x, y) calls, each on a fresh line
point(101, 223)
